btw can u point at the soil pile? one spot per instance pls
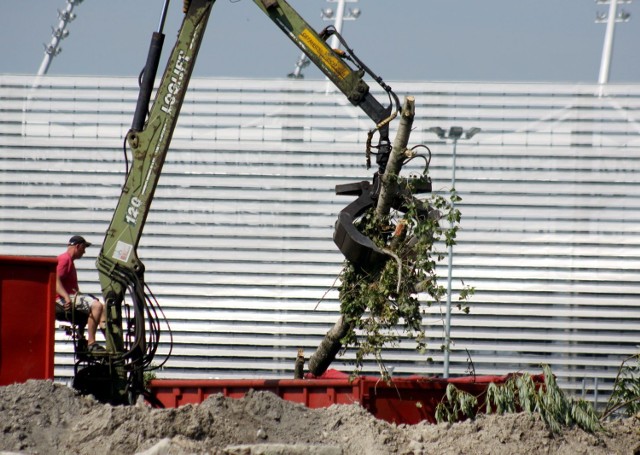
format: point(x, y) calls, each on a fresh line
point(42, 417)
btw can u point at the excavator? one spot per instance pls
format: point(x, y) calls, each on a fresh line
point(134, 317)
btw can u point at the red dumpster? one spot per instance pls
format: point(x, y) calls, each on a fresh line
point(27, 295)
point(403, 400)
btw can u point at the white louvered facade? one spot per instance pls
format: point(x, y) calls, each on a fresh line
point(238, 246)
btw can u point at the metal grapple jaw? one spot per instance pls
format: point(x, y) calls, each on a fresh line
point(355, 246)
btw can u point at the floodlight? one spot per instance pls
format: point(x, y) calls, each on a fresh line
point(472, 132)
point(439, 131)
point(455, 132)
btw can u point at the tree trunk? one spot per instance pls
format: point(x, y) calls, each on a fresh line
point(331, 345)
point(390, 177)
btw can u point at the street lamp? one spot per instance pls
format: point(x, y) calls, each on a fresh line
point(52, 49)
point(610, 19)
point(454, 134)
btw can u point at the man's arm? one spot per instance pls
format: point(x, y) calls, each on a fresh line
point(62, 270)
point(60, 290)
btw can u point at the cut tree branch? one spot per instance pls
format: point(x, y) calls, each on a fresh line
point(331, 344)
point(389, 179)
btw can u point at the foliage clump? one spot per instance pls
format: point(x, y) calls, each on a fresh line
point(522, 393)
point(625, 398)
point(380, 301)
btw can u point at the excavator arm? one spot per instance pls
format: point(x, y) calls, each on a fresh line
point(332, 63)
point(121, 271)
point(132, 341)
point(149, 143)
point(355, 246)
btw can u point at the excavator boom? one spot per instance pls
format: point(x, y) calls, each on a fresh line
point(132, 341)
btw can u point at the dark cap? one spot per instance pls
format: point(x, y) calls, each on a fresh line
point(78, 240)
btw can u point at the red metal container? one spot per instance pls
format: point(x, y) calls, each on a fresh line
point(404, 400)
point(27, 313)
point(27, 299)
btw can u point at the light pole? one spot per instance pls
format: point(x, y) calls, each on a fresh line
point(454, 134)
point(610, 19)
point(53, 48)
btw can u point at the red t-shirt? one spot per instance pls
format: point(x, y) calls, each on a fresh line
point(66, 270)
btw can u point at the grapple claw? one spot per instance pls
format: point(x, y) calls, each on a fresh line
point(355, 246)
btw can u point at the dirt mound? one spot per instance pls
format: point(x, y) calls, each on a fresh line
point(46, 417)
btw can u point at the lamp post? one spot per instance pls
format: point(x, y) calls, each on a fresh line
point(610, 19)
point(53, 48)
point(454, 134)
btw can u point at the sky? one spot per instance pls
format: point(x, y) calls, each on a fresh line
point(401, 40)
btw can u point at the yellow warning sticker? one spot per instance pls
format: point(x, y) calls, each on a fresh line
point(319, 49)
